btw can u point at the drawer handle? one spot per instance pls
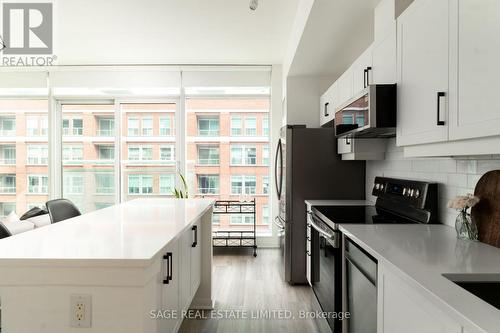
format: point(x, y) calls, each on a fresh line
point(439, 96)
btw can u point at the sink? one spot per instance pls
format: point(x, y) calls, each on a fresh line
point(484, 286)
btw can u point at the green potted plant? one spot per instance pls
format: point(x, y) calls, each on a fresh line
point(183, 192)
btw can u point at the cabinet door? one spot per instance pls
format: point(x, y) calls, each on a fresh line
point(423, 61)
point(477, 113)
point(185, 242)
point(361, 71)
point(195, 258)
point(345, 86)
point(170, 291)
point(405, 310)
point(328, 103)
point(384, 59)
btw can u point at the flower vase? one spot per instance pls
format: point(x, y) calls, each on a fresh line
point(465, 227)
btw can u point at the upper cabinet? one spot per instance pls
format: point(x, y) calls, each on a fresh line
point(423, 62)
point(328, 103)
point(384, 59)
point(361, 72)
point(476, 55)
point(345, 86)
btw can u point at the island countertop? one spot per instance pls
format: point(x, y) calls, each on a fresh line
point(136, 230)
point(421, 254)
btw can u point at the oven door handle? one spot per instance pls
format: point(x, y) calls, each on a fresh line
point(314, 224)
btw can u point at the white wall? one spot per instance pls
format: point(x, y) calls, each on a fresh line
point(454, 176)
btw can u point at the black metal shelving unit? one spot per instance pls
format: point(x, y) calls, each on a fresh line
point(235, 238)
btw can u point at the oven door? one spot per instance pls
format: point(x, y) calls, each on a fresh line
point(326, 269)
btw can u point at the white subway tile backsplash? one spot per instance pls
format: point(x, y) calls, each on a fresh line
point(454, 176)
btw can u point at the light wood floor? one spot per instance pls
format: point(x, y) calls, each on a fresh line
point(242, 282)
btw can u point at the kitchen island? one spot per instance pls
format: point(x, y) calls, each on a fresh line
point(136, 267)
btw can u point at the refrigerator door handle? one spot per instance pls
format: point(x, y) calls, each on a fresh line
point(278, 182)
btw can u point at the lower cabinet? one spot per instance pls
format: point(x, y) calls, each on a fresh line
point(169, 282)
point(195, 258)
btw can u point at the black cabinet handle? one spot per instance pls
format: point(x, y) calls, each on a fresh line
point(166, 279)
point(347, 141)
point(169, 254)
point(195, 229)
point(326, 109)
point(368, 69)
point(439, 95)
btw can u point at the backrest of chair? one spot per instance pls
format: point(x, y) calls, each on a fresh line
point(61, 209)
point(4, 232)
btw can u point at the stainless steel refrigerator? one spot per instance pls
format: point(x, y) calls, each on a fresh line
point(307, 166)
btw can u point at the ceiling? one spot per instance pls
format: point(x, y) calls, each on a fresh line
point(172, 31)
point(336, 32)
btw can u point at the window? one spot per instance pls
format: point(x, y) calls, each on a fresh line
point(265, 126)
point(7, 125)
point(105, 183)
point(167, 153)
point(208, 126)
point(208, 155)
point(265, 185)
point(243, 185)
point(208, 184)
point(241, 219)
point(7, 183)
point(265, 214)
point(243, 155)
point(347, 119)
point(165, 129)
point(167, 184)
point(72, 154)
point(73, 184)
point(140, 153)
point(77, 126)
point(236, 126)
point(133, 126)
point(6, 208)
point(106, 152)
point(106, 127)
point(38, 155)
point(140, 184)
point(65, 127)
point(36, 125)
point(265, 155)
point(7, 154)
point(250, 126)
point(38, 184)
point(360, 120)
point(147, 126)
point(216, 219)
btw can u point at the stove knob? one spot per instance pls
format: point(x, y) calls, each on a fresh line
point(411, 192)
point(381, 187)
point(377, 186)
point(417, 194)
point(404, 191)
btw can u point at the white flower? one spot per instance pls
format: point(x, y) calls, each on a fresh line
point(463, 202)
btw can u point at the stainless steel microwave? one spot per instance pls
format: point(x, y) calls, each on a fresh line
point(369, 114)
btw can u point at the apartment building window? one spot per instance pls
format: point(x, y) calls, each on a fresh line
point(250, 126)
point(241, 219)
point(347, 119)
point(243, 155)
point(36, 125)
point(72, 126)
point(167, 153)
point(167, 184)
point(38, 155)
point(73, 154)
point(104, 183)
point(215, 219)
point(38, 184)
point(208, 126)
point(140, 184)
point(165, 128)
point(265, 214)
point(7, 154)
point(265, 155)
point(106, 152)
point(6, 208)
point(265, 126)
point(140, 153)
point(106, 127)
point(208, 155)
point(7, 183)
point(133, 126)
point(7, 125)
point(265, 185)
point(73, 184)
point(208, 184)
point(243, 185)
point(77, 126)
point(147, 126)
point(236, 126)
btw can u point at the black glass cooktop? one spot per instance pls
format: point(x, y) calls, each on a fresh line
point(359, 215)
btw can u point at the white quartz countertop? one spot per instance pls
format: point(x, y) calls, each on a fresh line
point(135, 230)
point(422, 253)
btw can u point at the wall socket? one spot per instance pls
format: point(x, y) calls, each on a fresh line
point(80, 310)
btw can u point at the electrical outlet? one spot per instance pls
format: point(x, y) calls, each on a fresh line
point(80, 310)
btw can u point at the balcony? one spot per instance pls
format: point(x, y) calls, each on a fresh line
point(106, 132)
point(7, 189)
point(8, 161)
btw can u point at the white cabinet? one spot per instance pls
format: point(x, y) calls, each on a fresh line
point(345, 86)
point(195, 247)
point(361, 72)
point(476, 53)
point(328, 103)
point(353, 149)
point(185, 270)
point(170, 288)
point(384, 58)
point(423, 68)
point(401, 308)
